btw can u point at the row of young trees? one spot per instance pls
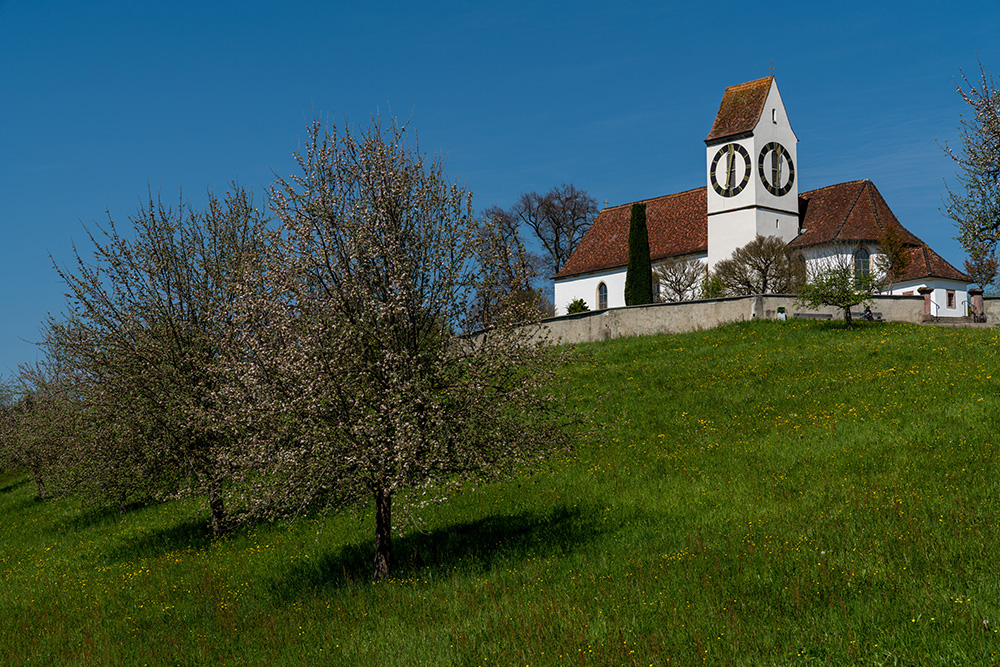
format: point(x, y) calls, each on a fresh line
point(313, 361)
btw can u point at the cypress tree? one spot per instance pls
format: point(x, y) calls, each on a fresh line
point(639, 275)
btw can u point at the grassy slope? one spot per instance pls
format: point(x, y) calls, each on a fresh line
point(766, 494)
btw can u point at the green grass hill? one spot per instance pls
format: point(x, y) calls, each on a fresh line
point(769, 493)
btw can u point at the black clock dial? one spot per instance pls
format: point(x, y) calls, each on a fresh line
point(777, 172)
point(727, 167)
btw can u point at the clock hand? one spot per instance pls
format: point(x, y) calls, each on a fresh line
point(776, 168)
point(730, 167)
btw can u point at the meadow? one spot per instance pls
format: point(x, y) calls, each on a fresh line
point(767, 493)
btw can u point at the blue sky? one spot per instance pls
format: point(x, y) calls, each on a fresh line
point(102, 101)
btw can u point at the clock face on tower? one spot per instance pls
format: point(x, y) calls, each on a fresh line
point(730, 170)
point(777, 172)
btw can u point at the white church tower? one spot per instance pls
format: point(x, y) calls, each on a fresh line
point(751, 161)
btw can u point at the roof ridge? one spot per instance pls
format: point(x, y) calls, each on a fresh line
point(850, 209)
point(751, 83)
point(884, 225)
point(643, 201)
point(833, 185)
point(869, 186)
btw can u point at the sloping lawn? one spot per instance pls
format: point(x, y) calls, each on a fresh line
point(774, 493)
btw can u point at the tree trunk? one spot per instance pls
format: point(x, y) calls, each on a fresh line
point(216, 508)
point(40, 486)
point(36, 474)
point(383, 532)
point(847, 318)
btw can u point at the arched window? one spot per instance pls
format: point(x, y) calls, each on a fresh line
point(862, 262)
point(602, 296)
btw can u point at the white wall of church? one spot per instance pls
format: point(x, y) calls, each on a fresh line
point(950, 298)
point(728, 231)
point(825, 257)
point(731, 230)
point(586, 287)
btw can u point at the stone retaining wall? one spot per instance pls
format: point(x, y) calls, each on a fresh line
point(695, 315)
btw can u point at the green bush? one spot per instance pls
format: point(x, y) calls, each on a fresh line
point(712, 287)
point(577, 306)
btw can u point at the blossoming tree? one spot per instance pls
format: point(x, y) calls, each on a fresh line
point(368, 382)
point(156, 317)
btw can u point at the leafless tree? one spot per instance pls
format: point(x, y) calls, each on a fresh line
point(558, 219)
point(679, 279)
point(763, 266)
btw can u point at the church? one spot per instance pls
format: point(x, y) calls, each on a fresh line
point(752, 189)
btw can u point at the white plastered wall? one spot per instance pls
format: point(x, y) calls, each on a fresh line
point(735, 221)
point(817, 258)
point(939, 297)
point(585, 287)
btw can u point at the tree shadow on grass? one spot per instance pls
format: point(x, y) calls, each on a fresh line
point(470, 546)
point(14, 485)
point(92, 517)
point(194, 535)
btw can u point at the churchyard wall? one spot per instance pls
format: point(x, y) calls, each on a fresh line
point(706, 314)
point(991, 306)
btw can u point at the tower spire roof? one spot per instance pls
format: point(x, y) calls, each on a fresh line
point(740, 109)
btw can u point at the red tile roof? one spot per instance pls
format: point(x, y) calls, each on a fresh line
point(847, 213)
point(740, 109)
point(925, 263)
point(677, 225)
